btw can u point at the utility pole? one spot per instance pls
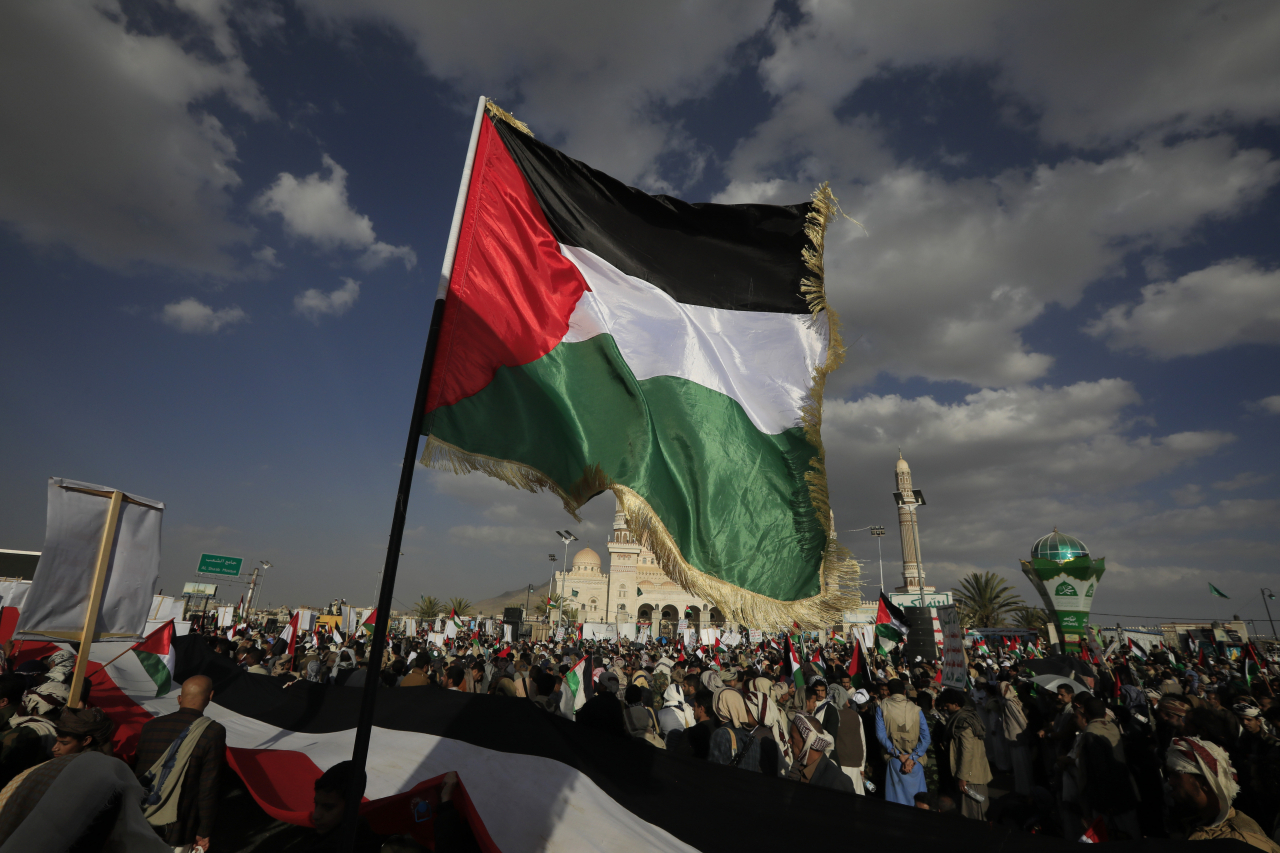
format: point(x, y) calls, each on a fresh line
point(1266, 593)
point(248, 602)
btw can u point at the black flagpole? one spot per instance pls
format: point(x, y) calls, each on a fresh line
point(373, 669)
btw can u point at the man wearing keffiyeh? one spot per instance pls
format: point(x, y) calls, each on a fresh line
point(810, 764)
point(1203, 784)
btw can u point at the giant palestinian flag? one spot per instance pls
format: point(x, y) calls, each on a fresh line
point(595, 337)
point(529, 780)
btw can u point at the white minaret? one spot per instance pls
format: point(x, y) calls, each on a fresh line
point(624, 554)
point(909, 500)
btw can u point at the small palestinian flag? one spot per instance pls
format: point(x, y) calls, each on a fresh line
point(1136, 650)
point(859, 674)
point(573, 693)
point(791, 666)
point(595, 337)
point(369, 620)
point(891, 624)
point(549, 602)
point(290, 633)
point(816, 660)
point(155, 653)
point(1252, 666)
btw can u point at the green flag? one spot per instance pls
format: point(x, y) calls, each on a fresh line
point(1213, 589)
point(639, 591)
point(575, 592)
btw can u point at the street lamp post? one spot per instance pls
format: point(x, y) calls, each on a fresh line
point(566, 537)
point(1266, 593)
point(877, 532)
point(526, 600)
point(551, 586)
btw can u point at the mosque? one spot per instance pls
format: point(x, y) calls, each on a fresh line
point(634, 590)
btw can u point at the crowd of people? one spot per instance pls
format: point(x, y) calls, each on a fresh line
point(1125, 747)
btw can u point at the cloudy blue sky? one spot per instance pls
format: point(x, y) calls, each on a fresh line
point(221, 225)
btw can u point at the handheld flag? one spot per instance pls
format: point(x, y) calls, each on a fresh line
point(1136, 650)
point(595, 337)
point(573, 693)
point(791, 666)
point(155, 653)
point(859, 674)
point(1215, 591)
point(290, 633)
point(891, 624)
point(369, 620)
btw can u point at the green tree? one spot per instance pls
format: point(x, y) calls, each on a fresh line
point(1031, 619)
point(460, 606)
point(985, 600)
point(428, 608)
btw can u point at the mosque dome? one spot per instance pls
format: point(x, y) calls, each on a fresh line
point(902, 463)
point(1058, 547)
point(587, 559)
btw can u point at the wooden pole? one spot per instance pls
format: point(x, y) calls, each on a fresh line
point(95, 598)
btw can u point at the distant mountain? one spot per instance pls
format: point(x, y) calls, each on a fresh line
point(513, 598)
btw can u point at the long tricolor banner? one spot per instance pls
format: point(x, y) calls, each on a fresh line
point(595, 337)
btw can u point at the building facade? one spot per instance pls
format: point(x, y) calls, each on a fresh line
point(634, 590)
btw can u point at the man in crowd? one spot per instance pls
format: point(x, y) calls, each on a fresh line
point(966, 751)
point(1203, 784)
point(809, 762)
point(903, 734)
point(178, 761)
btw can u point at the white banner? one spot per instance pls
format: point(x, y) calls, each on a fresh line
point(756, 636)
point(59, 596)
point(226, 616)
point(13, 593)
point(506, 633)
point(690, 638)
point(682, 625)
point(955, 666)
point(435, 637)
point(560, 634)
point(708, 636)
point(599, 631)
point(731, 638)
point(411, 626)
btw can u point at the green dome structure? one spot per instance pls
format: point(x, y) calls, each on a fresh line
point(1058, 547)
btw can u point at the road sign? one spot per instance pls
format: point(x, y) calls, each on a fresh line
point(212, 564)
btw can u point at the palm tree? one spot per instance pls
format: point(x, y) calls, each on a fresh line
point(984, 599)
point(460, 606)
point(428, 608)
point(1031, 618)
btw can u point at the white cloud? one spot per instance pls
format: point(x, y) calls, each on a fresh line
point(951, 271)
point(108, 150)
point(1224, 305)
point(1270, 405)
point(315, 304)
point(316, 209)
point(266, 255)
point(1243, 480)
point(1093, 75)
point(593, 79)
point(192, 315)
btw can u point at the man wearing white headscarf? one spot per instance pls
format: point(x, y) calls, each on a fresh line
point(809, 763)
point(768, 729)
point(1203, 784)
point(676, 714)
